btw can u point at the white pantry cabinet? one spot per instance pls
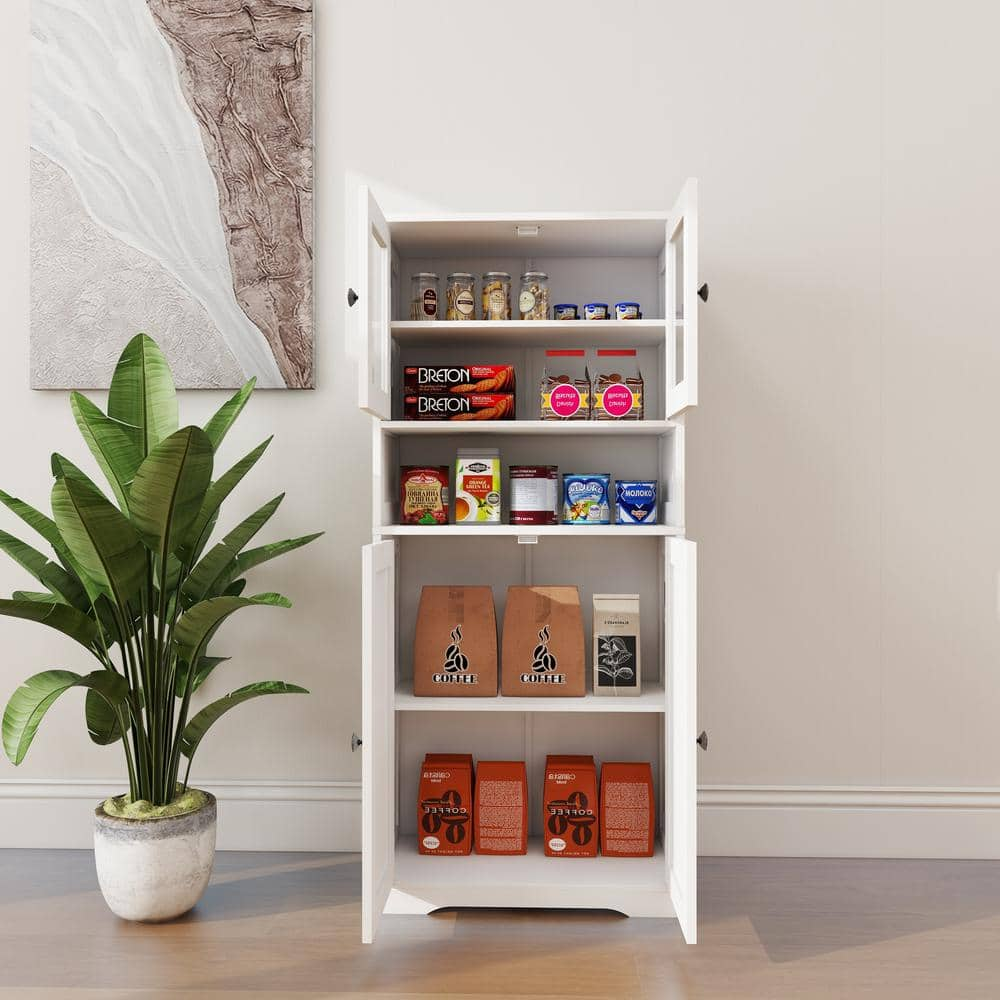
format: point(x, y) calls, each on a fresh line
point(649, 257)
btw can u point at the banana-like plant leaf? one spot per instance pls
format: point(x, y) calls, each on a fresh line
point(38, 596)
point(101, 539)
point(24, 555)
point(212, 574)
point(103, 724)
point(61, 617)
point(33, 698)
point(198, 624)
point(194, 544)
point(42, 523)
point(169, 489)
point(254, 557)
point(235, 588)
point(225, 416)
point(112, 443)
point(142, 393)
point(194, 731)
point(67, 586)
point(205, 666)
point(63, 468)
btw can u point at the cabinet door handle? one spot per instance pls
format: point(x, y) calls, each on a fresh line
point(702, 740)
point(355, 742)
point(352, 296)
point(703, 292)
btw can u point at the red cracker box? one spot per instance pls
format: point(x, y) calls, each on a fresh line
point(444, 805)
point(569, 807)
point(501, 807)
point(628, 815)
point(459, 406)
point(422, 380)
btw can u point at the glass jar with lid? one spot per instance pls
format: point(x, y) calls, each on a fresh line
point(460, 299)
point(533, 302)
point(424, 296)
point(496, 295)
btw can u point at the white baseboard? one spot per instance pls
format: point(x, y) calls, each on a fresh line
point(860, 822)
point(733, 821)
point(253, 815)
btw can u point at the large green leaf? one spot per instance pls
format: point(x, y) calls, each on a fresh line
point(38, 596)
point(206, 665)
point(112, 443)
point(103, 725)
point(101, 539)
point(169, 489)
point(42, 523)
point(142, 393)
point(61, 617)
point(194, 731)
point(24, 555)
point(198, 624)
point(254, 557)
point(67, 586)
point(63, 468)
point(214, 497)
point(224, 417)
point(211, 574)
point(33, 698)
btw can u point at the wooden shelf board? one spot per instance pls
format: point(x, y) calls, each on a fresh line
point(651, 701)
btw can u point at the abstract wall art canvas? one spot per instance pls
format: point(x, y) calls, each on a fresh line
point(171, 189)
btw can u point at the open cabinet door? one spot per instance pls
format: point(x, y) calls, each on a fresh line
point(681, 756)
point(373, 268)
point(681, 297)
point(378, 732)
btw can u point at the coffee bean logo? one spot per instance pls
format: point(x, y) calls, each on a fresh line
point(542, 661)
point(445, 813)
point(454, 659)
point(572, 815)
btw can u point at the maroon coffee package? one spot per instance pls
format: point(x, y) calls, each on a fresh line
point(444, 805)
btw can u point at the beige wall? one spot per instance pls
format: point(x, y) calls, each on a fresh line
point(844, 483)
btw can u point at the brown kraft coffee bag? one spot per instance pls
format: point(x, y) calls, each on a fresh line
point(455, 646)
point(543, 648)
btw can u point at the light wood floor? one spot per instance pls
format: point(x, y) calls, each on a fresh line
point(277, 926)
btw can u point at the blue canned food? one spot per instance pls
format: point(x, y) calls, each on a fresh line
point(565, 310)
point(636, 501)
point(627, 310)
point(595, 310)
point(586, 498)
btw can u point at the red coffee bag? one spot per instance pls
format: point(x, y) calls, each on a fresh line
point(444, 805)
point(569, 807)
point(501, 807)
point(628, 813)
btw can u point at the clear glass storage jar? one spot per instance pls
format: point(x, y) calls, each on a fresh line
point(496, 295)
point(533, 302)
point(424, 296)
point(460, 299)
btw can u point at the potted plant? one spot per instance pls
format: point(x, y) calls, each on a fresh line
point(136, 583)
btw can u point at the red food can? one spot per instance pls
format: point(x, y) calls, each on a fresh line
point(423, 494)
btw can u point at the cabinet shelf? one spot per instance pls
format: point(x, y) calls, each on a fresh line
point(529, 530)
point(508, 428)
point(652, 700)
point(531, 333)
point(634, 886)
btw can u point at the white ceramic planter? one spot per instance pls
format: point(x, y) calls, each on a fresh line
point(154, 869)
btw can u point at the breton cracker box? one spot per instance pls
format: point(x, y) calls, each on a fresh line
point(616, 644)
point(501, 807)
point(445, 805)
point(628, 814)
point(455, 647)
point(543, 649)
point(570, 807)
